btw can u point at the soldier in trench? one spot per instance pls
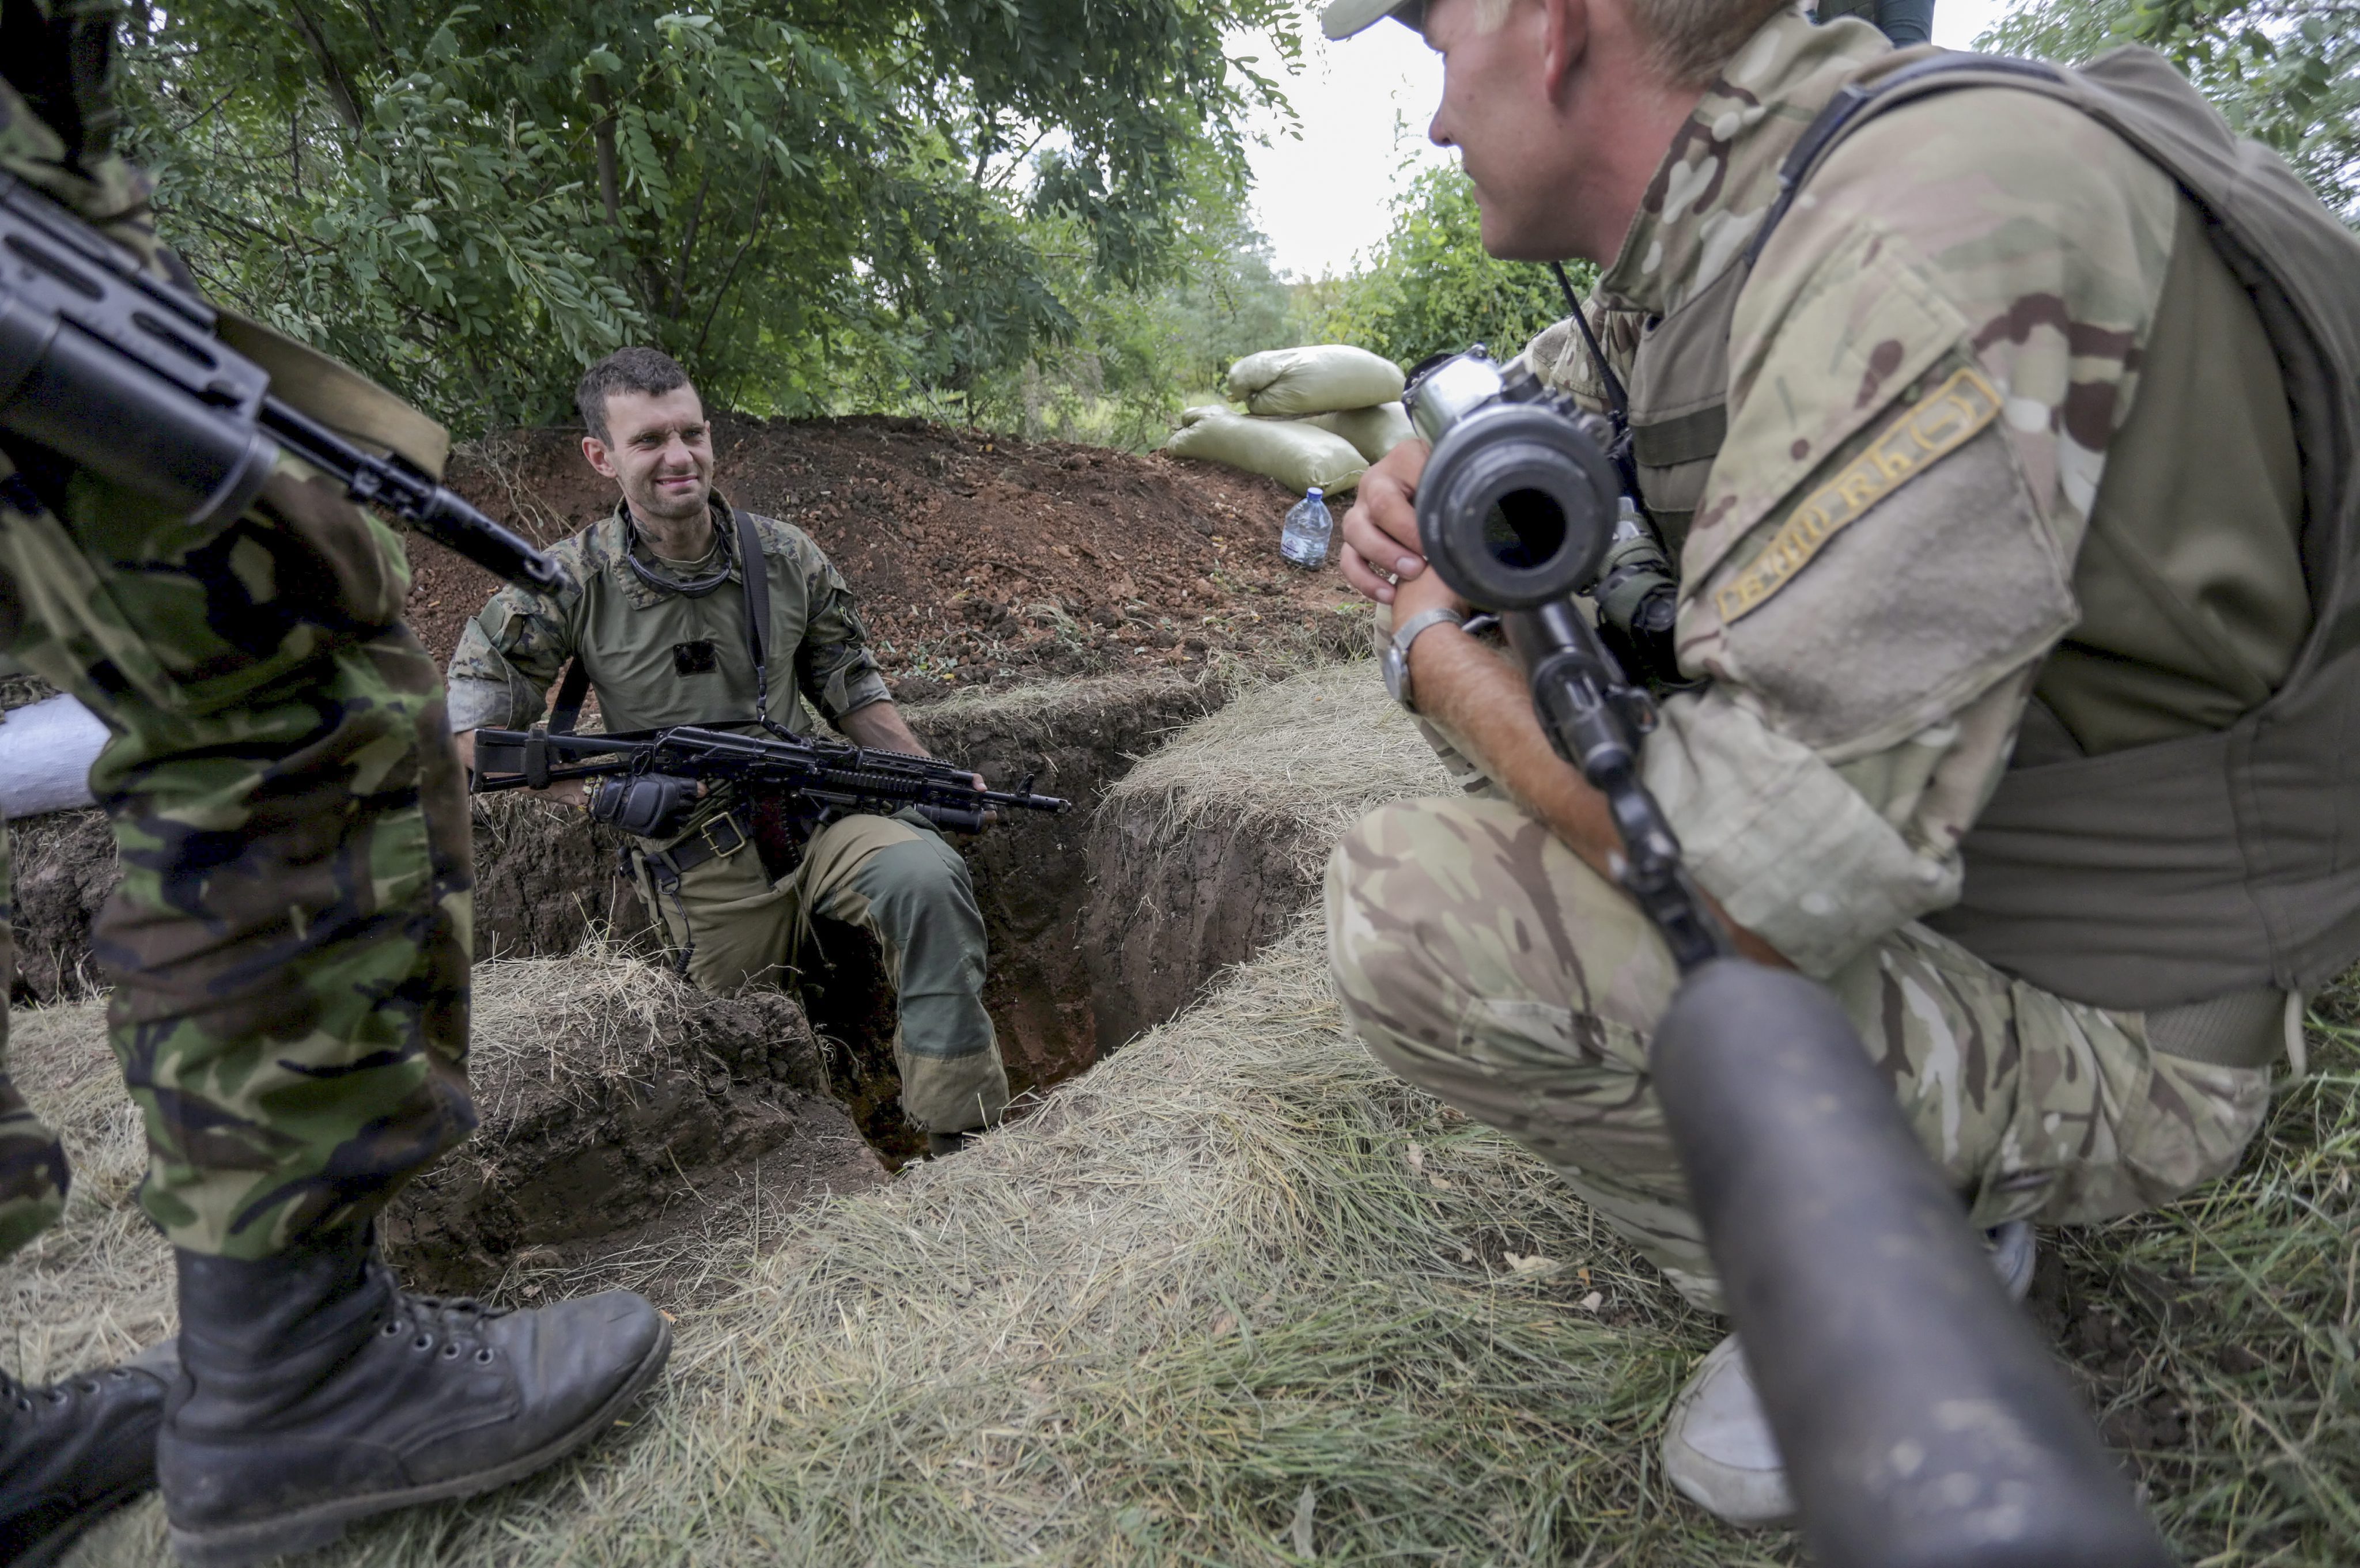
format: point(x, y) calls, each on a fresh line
point(656, 623)
point(288, 956)
point(2022, 622)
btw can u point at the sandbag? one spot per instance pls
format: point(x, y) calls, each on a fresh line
point(1296, 453)
point(1375, 431)
point(1321, 379)
point(1203, 411)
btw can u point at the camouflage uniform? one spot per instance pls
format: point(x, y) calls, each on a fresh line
point(1927, 371)
point(288, 945)
point(892, 876)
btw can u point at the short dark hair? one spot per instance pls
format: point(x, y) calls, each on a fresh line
point(648, 370)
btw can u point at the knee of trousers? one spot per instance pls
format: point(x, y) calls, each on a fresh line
point(1464, 938)
point(919, 895)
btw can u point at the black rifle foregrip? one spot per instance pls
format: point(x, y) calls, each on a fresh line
point(413, 497)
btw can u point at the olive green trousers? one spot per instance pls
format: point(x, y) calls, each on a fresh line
point(895, 879)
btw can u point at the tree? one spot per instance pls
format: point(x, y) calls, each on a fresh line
point(2286, 72)
point(472, 201)
point(1431, 288)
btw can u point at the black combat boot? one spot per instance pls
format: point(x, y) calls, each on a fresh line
point(75, 1450)
point(315, 1392)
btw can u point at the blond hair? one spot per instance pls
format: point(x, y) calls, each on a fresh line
point(1690, 40)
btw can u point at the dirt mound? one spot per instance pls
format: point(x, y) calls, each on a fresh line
point(1210, 849)
point(976, 558)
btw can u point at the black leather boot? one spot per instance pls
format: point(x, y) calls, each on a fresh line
point(315, 1392)
point(74, 1451)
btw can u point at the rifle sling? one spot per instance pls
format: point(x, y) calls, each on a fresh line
point(755, 568)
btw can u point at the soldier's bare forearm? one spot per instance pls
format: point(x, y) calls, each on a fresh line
point(1481, 700)
point(881, 725)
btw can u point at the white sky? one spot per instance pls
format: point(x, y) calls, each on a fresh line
point(1324, 199)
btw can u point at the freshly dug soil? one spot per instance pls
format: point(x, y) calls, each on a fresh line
point(63, 868)
point(976, 558)
point(566, 1169)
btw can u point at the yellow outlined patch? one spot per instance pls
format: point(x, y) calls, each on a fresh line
point(1938, 424)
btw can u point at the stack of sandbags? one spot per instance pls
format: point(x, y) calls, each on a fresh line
point(1316, 415)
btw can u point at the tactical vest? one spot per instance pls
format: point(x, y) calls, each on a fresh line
point(2185, 869)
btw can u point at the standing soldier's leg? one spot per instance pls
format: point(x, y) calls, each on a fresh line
point(70, 1452)
point(905, 885)
point(288, 952)
point(33, 1174)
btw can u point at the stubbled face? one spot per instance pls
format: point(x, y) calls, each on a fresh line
point(660, 450)
point(1497, 111)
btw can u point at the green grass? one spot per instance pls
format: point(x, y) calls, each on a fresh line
point(2216, 1336)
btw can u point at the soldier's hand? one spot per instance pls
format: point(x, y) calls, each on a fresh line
point(653, 805)
point(1381, 530)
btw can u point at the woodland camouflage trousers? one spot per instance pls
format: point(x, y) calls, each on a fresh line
point(1478, 958)
point(289, 946)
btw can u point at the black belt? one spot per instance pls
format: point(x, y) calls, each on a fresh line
point(719, 836)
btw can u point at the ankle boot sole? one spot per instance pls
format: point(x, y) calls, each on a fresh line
point(234, 1546)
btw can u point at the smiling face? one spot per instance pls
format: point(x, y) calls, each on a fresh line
point(658, 449)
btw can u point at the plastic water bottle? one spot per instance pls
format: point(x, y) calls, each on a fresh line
point(1304, 541)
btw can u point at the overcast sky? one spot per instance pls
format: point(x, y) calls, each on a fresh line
point(1324, 199)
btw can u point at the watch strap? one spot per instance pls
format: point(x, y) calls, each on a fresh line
point(1409, 631)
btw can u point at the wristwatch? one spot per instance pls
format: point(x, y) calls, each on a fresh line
point(1395, 657)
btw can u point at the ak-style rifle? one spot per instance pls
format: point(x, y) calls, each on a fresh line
point(828, 778)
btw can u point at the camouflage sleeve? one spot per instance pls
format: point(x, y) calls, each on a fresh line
point(1561, 359)
point(834, 668)
point(511, 653)
point(1926, 371)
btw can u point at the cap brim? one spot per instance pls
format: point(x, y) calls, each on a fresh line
point(1343, 18)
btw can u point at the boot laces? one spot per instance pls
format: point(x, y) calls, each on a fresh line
point(449, 1327)
point(25, 1396)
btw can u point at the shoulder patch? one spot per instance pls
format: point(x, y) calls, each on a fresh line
point(1935, 425)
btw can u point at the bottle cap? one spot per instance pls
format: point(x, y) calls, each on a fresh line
point(1314, 493)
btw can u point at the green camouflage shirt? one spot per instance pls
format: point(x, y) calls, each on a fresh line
point(90, 179)
point(1926, 371)
point(657, 657)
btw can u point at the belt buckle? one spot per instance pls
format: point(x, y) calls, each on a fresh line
point(737, 835)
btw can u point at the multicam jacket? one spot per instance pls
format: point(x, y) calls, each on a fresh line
point(1896, 501)
point(658, 657)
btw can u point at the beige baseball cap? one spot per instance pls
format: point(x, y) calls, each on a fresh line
point(1344, 17)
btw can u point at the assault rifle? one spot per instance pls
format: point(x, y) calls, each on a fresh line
point(128, 378)
point(827, 779)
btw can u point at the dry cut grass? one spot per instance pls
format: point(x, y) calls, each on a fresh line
point(1309, 756)
point(1238, 1296)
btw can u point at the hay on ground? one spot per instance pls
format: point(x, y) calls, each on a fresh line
point(1313, 753)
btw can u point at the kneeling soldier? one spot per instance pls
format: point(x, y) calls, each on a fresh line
point(666, 624)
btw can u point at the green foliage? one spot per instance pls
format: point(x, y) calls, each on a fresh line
point(2286, 72)
point(1430, 287)
point(469, 202)
point(1135, 356)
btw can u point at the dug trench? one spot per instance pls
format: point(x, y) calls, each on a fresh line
point(621, 1109)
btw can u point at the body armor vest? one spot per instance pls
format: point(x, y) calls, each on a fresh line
point(2184, 869)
